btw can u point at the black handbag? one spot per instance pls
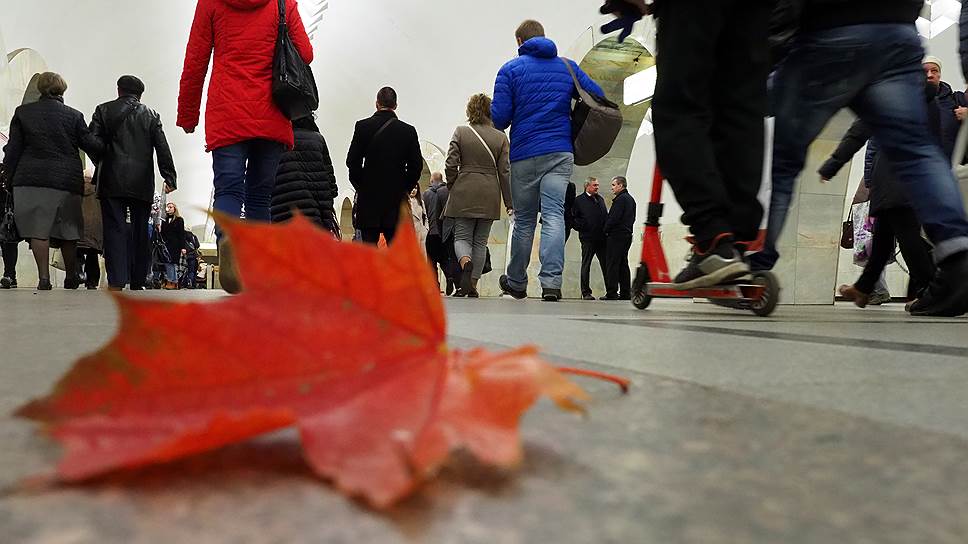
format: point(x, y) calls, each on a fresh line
point(293, 85)
point(8, 227)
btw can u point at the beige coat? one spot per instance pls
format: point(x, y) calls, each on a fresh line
point(476, 186)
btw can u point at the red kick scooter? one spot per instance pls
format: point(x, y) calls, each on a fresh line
point(758, 292)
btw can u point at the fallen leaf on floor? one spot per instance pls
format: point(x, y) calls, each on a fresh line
point(344, 341)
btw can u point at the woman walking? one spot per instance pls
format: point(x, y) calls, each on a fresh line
point(43, 161)
point(244, 129)
point(478, 176)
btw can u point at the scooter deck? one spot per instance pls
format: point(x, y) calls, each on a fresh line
point(741, 290)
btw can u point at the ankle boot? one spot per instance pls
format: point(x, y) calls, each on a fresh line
point(228, 274)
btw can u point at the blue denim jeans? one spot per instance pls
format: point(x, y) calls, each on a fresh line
point(538, 184)
point(245, 175)
point(875, 70)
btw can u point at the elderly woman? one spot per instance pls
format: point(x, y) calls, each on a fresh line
point(43, 161)
point(478, 171)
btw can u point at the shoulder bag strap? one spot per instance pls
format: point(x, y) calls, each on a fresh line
point(282, 13)
point(487, 147)
point(574, 78)
point(377, 134)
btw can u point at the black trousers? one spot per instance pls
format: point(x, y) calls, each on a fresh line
point(372, 236)
point(439, 256)
point(127, 252)
point(618, 279)
point(592, 249)
point(902, 225)
point(708, 112)
point(9, 260)
point(88, 263)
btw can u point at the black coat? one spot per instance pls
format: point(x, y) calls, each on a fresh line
point(383, 171)
point(590, 216)
point(132, 135)
point(621, 218)
point(435, 200)
point(43, 151)
point(570, 207)
point(886, 191)
point(306, 181)
point(173, 234)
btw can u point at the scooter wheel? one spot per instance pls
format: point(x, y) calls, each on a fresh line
point(771, 294)
point(640, 294)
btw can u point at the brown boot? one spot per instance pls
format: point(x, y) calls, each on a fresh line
point(859, 298)
point(228, 273)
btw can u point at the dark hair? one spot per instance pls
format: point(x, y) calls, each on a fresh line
point(387, 98)
point(131, 85)
point(529, 29)
point(306, 123)
point(621, 181)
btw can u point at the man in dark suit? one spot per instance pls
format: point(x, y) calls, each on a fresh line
point(132, 134)
point(618, 241)
point(589, 220)
point(384, 164)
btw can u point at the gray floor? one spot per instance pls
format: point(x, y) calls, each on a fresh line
point(824, 425)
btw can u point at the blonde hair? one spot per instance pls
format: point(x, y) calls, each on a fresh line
point(173, 205)
point(479, 110)
point(51, 84)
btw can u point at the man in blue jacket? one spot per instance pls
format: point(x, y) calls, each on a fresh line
point(533, 95)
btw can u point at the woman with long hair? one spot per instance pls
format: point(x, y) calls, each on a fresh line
point(478, 176)
point(173, 236)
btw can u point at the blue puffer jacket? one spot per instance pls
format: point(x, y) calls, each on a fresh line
point(533, 96)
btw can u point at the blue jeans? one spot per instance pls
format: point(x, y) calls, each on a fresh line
point(171, 272)
point(539, 184)
point(875, 70)
point(245, 175)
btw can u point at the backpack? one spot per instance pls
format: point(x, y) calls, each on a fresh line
point(595, 123)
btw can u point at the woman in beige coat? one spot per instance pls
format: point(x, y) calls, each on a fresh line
point(478, 174)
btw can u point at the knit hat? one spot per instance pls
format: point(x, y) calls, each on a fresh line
point(932, 60)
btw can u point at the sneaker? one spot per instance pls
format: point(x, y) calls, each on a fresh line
point(855, 295)
point(8, 282)
point(587, 297)
point(609, 297)
point(720, 263)
point(947, 295)
point(880, 297)
point(506, 288)
point(449, 290)
point(90, 286)
point(72, 282)
point(551, 295)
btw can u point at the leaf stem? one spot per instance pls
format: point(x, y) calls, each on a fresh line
point(617, 380)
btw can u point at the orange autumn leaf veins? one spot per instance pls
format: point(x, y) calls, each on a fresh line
point(346, 342)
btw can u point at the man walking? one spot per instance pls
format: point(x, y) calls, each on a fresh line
point(384, 163)
point(867, 55)
point(132, 134)
point(618, 236)
point(532, 95)
point(590, 215)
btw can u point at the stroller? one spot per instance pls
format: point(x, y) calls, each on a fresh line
point(188, 263)
point(159, 258)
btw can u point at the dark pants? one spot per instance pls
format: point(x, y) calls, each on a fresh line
point(245, 175)
point(618, 278)
point(372, 236)
point(9, 260)
point(87, 263)
point(902, 225)
point(438, 255)
point(708, 113)
point(592, 249)
point(127, 252)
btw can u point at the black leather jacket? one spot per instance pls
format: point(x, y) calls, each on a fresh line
point(132, 134)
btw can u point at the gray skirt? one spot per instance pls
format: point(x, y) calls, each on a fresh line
point(42, 213)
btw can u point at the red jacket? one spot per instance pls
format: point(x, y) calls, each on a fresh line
point(243, 36)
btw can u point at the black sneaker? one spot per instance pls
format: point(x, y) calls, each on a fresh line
point(8, 282)
point(90, 286)
point(551, 295)
point(72, 282)
point(947, 294)
point(716, 265)
point(609, 297)
point(506, 288)
point(587, 297)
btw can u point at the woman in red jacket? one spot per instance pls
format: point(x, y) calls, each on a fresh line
point(244, 129)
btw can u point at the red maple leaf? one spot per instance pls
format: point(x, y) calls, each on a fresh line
point(344, 341)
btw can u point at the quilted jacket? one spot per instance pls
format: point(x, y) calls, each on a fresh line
point(43, 151)
point(306, 181)
point(533, 95)
point(242, 34)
